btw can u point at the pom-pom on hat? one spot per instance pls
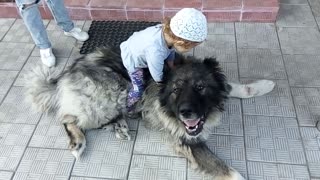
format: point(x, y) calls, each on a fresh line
point(189, 24)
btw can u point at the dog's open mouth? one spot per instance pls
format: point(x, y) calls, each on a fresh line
point(193, 126)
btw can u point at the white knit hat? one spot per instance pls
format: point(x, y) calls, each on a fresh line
point(189, 24)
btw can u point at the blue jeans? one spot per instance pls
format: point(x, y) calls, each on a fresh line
point(30, 14)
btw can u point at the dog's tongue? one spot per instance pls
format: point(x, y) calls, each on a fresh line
point(191, 123)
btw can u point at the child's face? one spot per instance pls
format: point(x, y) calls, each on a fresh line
point(182, 48)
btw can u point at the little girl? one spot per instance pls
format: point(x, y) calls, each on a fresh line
point(151, 47)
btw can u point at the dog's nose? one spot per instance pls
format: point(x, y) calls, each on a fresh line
point(185, 110)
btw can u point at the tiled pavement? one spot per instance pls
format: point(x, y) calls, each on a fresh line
point(268, 137)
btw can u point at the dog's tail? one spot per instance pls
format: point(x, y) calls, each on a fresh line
point(203, 160)
point(41, 89)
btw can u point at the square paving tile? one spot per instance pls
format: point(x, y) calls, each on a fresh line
point(19, 33)
point(5, 25)
point(14, 109)
point(15, 134)
point(221, 28)
point(303, 70)
point(105, 140)
point(295, 16)
point(273, 139)
point(153, 142)
point(105, 156)
point(157, 167)
point(13, 141)
point(263, 170)
point(231, 71)
point(5, 175)
point(261, 63)
point(256, 35)
point(45, 164)
point(10, 157)
point(49, 133)
point(311, 140)
point(230, 149)
point(6, 80)
point(299, 40)
point(32, 63)
point(278, 102)
point(222, 47)
point(14, 55)
point(315, 6)
point(231, 121)
point(307, 103)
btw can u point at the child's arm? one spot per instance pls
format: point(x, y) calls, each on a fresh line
point(155, 64)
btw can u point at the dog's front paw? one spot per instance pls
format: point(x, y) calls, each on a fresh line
point(122, 130)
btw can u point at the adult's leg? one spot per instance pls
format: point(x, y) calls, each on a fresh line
point(60, 14)
point(32, 19)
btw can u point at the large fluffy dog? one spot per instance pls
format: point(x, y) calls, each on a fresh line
point(91, 93)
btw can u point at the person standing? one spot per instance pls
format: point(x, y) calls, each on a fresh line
point(30, 13)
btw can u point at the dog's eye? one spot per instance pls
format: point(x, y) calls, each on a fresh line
point(199, 87)
point(176, 90)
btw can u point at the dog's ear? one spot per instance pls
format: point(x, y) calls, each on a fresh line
point(211, 63)
point(214, 67)
point(164, 94)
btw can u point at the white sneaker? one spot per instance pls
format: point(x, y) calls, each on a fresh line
point(78, 34)
point(47, 57)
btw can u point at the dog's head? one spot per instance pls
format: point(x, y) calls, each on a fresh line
point(193, 93)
